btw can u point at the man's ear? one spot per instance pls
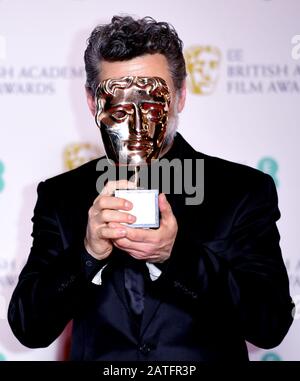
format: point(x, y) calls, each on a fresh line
point(91, 101)
point(182, 97)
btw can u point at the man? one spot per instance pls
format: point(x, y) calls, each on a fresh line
point(208, 279)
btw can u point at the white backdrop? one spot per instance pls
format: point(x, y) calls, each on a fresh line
point(248, 113)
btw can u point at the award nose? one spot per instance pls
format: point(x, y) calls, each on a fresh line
point(137, 125)
point(137, 122)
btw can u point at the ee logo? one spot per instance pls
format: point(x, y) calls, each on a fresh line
point(296, 48)
point(3, 49)
point(1, 176)
point(270, 166)
point(271, 356)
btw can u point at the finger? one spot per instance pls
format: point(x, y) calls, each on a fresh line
point(138, 235)
point(111, 186)
point(122, 243)
point(110, 202)
point(137, 255)
point(165, 208)
point(93, 212)
point(107, 233)
point(133, 253)
point(147, 236)
point(128, 245)
point(109, 215)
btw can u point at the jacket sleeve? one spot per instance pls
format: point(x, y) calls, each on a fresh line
point(53, 284)
point(245, 268)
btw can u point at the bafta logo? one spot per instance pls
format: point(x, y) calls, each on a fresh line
point(79, 153)
point(202, 63)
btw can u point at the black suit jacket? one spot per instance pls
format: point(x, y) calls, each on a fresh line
point(225, 282)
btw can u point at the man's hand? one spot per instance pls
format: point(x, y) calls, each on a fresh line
point(106, 209)
point(147, 244)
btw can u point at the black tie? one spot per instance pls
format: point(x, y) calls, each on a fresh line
point(135, 285)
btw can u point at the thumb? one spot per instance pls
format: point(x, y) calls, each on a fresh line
point(164, 207)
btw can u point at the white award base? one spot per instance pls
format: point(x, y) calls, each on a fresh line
point(145, 206)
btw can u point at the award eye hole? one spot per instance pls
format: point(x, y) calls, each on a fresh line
point(119, 115)
point(154, 115)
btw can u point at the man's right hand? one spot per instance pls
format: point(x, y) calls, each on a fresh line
point(107, 208)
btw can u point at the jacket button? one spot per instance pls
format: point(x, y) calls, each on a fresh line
point(145, 349)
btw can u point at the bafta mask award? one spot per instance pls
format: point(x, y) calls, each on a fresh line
point(132, 114)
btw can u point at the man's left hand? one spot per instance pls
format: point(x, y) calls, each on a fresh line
point(147, 244)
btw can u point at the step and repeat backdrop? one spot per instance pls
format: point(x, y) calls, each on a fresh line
point(243, 60)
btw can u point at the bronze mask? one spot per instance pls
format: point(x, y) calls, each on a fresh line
point(132, 114)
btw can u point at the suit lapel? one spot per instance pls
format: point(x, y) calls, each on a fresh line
point(118, 283)
point(152, 299)
point(119, 286)
point(151, 305)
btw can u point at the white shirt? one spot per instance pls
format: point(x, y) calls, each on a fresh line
point(154, 273)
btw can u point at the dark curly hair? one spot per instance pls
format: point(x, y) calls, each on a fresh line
point(125, 38)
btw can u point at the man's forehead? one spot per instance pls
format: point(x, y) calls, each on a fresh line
point(148, 65)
